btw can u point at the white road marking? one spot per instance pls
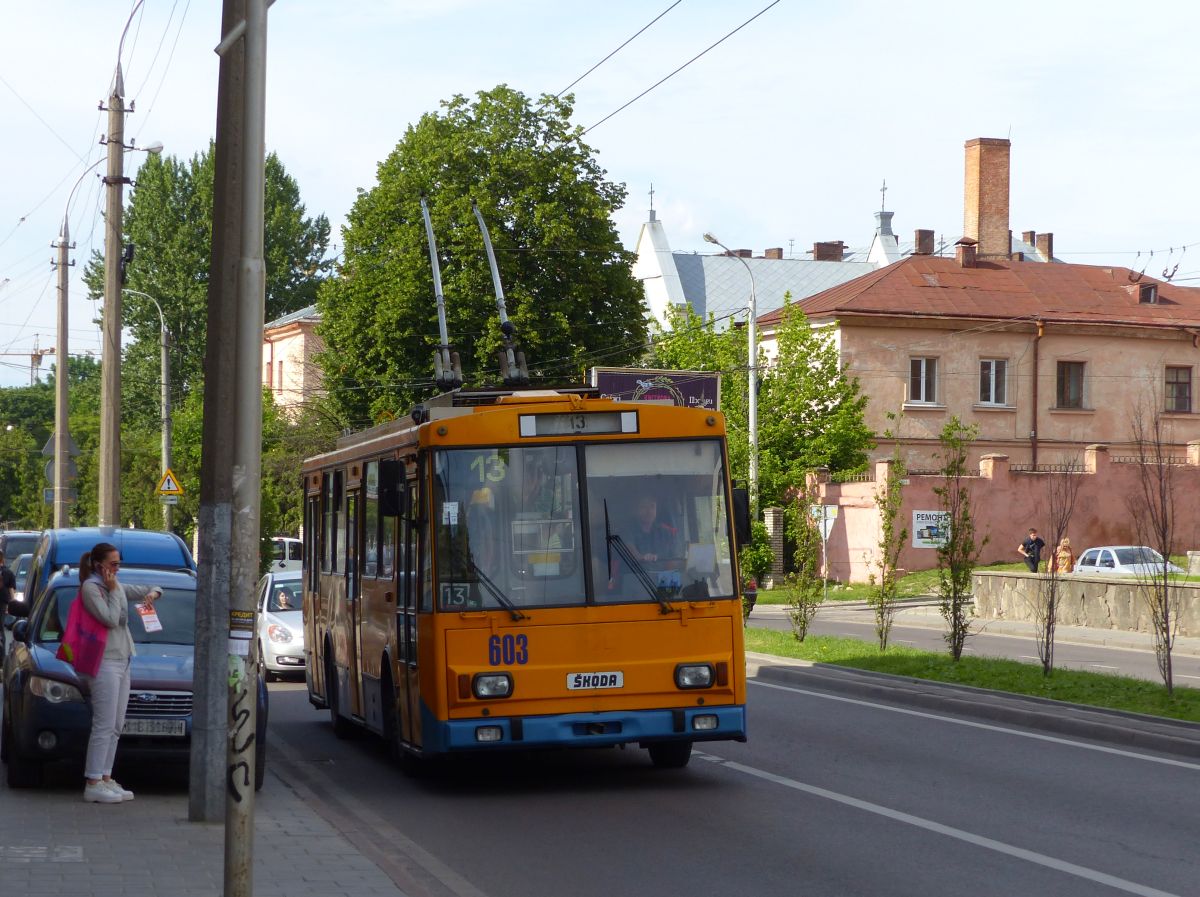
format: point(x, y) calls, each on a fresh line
point(1028, 657)
point(1185, 676)
point(1020, 853)
point(1102, 666)
point(1103, 749)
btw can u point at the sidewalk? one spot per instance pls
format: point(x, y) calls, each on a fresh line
point(52, 843)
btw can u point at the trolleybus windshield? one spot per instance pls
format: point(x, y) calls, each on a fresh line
point(513, 520)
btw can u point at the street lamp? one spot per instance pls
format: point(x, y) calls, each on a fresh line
point(165, 404)
point(752, 397)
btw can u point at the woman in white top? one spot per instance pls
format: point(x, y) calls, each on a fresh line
point(108, 601)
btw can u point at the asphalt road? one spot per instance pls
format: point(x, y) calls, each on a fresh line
point(922, 628)
point(831, 796)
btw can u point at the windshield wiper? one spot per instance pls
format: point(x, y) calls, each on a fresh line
point(613, 540)
point(503, 600)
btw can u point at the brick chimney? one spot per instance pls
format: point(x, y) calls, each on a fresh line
point(924, 243)
point(828, 251)
point(1045, 247)
point(965, 252)
point(775, 252)
point(985, 196)
point(1028, 236)
point(744, 253)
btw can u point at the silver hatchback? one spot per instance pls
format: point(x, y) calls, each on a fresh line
point(1123, 560)
point(281, 623)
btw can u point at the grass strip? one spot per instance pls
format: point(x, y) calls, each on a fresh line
point(1075, 686)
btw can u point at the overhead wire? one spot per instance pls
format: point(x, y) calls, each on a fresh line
point(680, 69)
point(167, 67)
point(618, 49)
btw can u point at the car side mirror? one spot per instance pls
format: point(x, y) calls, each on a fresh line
point(20, 629)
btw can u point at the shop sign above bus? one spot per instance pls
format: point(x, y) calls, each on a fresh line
point(597, 423)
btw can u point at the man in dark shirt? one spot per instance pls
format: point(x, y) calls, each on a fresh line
point(1031, 550)
point(652, 540)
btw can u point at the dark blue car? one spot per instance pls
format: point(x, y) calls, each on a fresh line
point(46, 717)
point(61, 548)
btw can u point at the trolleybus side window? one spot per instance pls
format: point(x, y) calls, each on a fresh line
point(370, 541)
point(331, 499)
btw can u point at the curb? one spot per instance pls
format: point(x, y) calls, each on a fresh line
point(1111, 726)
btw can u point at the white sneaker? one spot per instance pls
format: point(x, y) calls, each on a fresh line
point(115, 787)
point(100, 793)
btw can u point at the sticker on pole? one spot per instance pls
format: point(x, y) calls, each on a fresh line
point(169, 484)
point(241, 631)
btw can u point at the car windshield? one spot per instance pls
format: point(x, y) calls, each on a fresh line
point(285, 596)
point(176, 611)
point(1139, 554)
point(511, 525)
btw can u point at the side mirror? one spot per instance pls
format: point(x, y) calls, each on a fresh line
point(20, 629)
point(741, 516)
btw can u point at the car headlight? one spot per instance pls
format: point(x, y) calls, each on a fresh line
point(694, 675)
point(277, 632)
point(54, 691)
point(492, 685)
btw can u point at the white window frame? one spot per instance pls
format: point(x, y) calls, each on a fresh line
point(929, 393)
point(1002, 380)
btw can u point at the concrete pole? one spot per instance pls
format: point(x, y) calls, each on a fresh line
point(110, 375)
point(247, 465)
point(206, 787)
point(166, 411)
point(62, 435)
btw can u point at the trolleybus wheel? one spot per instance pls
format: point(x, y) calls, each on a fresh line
point(670, 754)
point(341, 725)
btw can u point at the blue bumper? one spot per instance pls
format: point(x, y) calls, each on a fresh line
point(584, 729)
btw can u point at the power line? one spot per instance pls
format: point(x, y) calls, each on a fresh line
point(680, 69)
point(39, 118)
point(167, 67)
point(157, 50)
point(618, 50)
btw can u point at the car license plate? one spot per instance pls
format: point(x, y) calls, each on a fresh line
point(577, 681)
point(170, 728)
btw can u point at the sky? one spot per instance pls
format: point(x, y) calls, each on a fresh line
point(781, 135)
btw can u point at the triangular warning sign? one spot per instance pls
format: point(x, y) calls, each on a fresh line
point(168, 485)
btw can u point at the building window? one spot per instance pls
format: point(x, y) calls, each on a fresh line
point(1148, 294)
point(993, 381)
point(279, 368)
point(1070, 384)
point(1179, 389)
point(922, 380)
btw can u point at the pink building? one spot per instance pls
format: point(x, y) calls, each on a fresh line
point(289, 347)
point(1044, 359)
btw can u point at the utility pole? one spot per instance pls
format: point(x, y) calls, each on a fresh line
point(206, 789)
point(110, 370)
point(231, 467)
point(62, 436)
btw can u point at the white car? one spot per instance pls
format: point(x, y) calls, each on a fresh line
point(286, 553)
point(281, 623)
point(1122, 560)
point(20, 573)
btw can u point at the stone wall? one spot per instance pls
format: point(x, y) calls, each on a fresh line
point(1099, 602)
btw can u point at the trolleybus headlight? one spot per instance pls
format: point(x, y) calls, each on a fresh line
point(492, 685)
point(694, 675)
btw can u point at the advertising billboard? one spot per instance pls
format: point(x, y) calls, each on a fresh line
point(688, 389)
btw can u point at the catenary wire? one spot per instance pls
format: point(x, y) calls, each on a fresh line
point(618, 50)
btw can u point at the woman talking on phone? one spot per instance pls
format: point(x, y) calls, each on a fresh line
point(108, 602)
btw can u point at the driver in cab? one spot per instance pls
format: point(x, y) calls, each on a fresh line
point(650, 538)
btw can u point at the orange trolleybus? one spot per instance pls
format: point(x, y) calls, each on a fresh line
point(527, 569)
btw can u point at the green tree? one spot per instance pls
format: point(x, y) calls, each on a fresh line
point(810, 412)
point(958, 551)
point(691, 343)
point(571, 294)
point(806, 586)
point(168, 219)
point(893, 535)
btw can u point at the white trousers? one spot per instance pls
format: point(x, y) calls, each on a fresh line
point(109, 698)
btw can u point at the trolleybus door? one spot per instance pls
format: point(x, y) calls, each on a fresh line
point(353, 606)
point(409, 601)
